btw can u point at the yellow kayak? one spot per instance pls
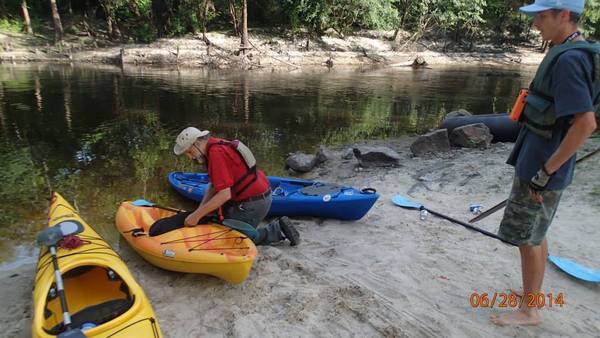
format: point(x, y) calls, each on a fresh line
point(102, 297)
point(210, 249)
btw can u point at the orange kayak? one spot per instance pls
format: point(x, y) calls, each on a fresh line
point(210, 249)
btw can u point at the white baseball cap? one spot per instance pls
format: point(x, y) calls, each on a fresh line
point(186, 138)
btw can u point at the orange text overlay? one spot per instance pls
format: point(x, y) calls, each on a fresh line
point(511, 300)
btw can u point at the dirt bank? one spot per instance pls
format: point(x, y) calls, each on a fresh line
point(268, 52)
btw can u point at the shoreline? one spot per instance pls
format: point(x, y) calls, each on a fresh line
point(388, 274)
point(267, 53)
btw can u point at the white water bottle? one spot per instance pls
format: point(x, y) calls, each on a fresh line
point(423, 214)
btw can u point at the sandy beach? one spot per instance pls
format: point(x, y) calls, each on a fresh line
point(389, 274)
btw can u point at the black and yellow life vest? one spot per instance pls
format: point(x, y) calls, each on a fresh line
point(539, 113)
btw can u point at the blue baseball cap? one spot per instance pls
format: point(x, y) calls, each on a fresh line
point(575, 6)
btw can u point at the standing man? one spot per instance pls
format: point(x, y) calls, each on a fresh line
point(558, 117)
point(236, 185)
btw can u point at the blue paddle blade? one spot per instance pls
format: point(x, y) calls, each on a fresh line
point(576, 270)
point(242, 227)
point(73, 333)
point(401, 201)
point(142, 203)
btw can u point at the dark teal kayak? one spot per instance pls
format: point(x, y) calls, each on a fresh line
point(501, 126)
point(294, 197)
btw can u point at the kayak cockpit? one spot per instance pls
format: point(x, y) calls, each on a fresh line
point(95, 295)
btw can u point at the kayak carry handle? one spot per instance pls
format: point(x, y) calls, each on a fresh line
point(368, 190)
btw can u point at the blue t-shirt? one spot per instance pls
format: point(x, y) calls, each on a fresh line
point(572, 89)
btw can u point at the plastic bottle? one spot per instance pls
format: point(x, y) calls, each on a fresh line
point(423, 214)
point(475, 208)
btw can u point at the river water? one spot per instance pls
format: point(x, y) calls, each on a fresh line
point(101, 134)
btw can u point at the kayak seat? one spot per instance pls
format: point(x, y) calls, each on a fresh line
point(319, 189)
point(97, 314)
point(112, 306)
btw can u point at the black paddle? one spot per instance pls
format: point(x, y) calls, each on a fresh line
point(50, 237)
point(410, 204)
point(503, 203)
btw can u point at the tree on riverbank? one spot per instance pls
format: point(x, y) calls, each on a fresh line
point(58, 28)
point(460, 22)
point(26, 18)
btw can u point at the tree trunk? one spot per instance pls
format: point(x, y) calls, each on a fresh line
point(115, 29)
point(58, 29)
point(234, 17)
point(245, 44)
point(203, 18)
point(2, 117)
point(396, 31)
point(109, 25)
point(69, 7)
point(161, 17)
point(26, 19)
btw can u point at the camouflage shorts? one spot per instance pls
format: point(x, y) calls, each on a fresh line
point(526, 221)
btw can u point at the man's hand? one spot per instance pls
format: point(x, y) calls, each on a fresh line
point(192, 220)
point(538, 184)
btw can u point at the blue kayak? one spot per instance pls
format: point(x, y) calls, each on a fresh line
point(294, 197)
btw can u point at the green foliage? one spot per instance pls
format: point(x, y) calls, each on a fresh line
point(145, 20)
point(460, 15)
point(591, 19)
point(341, 15)
point(415, 15)
point(11, 25)
point(21, 180)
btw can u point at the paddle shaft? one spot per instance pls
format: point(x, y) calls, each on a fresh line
point(166, 208)
point(489, 211)
point(468, 226)
point(503, 203)
point(60, 287)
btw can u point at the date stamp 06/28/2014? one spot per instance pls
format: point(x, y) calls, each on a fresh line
point(512, 300)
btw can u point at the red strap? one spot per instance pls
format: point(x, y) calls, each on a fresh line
point(71, 242)
point(220, 214)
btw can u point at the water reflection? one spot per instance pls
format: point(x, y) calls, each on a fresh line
point(100, 135)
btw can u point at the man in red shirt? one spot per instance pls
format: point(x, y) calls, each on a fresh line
point(236, 185)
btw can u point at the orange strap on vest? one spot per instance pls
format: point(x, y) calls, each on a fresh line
point(519, 105)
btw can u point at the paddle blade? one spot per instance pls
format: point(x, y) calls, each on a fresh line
point(576, 270)
point(49, 236)
point(74, 333)
point(401, 201)
point(142, 203)
point(242, 227)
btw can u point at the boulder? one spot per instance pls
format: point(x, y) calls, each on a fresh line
point(369, 156)
point(348, 154)
point(432, 142)
point(323, 154)
point(476, 135)
point(301, 162)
